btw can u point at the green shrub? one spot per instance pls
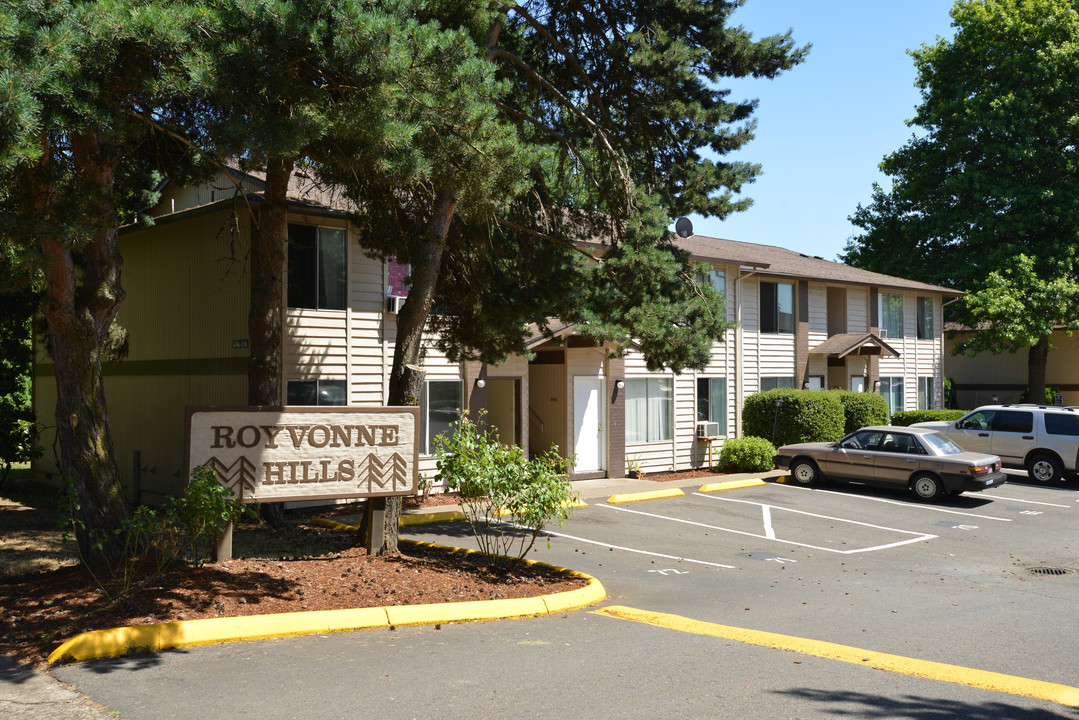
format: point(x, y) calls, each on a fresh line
point(746, 454)
point(1050, 395)
point(805, 416)
point(903, 418)
point(507, 498)
point(861, 409)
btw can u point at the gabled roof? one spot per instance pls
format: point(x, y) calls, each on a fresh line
point(854, 344)
point(772, 260)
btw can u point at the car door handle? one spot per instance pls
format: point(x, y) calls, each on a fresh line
point(1028, 437)
point(983, 434)
point(867, 457)
point(911, 460)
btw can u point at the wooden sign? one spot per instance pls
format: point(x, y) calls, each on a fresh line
point(277, 454)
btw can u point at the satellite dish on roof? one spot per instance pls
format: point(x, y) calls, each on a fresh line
point(683, 227)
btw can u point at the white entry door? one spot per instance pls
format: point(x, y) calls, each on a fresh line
point(588, 420)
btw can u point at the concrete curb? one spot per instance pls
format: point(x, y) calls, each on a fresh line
point(115, 642)
point(650, 495)
point(732, 485)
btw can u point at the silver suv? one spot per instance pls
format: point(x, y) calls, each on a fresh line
point(1044, 439)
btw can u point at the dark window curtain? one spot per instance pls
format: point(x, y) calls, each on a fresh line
point(768, 307)
point(302, 266)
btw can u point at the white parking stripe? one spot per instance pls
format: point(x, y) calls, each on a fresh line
point(1028, 502)
point(769, 531)
point(934, 508)
point(918, 537)
point(555, 533)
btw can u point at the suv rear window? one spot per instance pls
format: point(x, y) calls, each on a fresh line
point(1061, 424)
point(1014, 421)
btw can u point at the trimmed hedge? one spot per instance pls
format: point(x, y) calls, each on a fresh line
point(746, 454)
point(861, 409)
point(904, 418)
point(805, 416)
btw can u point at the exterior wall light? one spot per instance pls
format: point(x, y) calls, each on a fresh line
point(481, 383)
point(619, 384)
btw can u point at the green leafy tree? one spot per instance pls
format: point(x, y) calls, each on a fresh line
point(75, 158)
point(991, 183)
point(18, 432)
point(544, 180)
point(1018, 308)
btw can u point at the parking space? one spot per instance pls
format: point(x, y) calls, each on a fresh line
point(811, 524)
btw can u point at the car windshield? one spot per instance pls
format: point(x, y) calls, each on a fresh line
point(941, 444)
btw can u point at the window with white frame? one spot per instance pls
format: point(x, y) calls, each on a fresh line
point(926, 386)
point(649, 409)
point(712, 401)
point(891, 315)
point(440, 406)
point(316, 267)
point(776, 383)
point(315, 392)
point(891, 389)
point(925, 318)
point(777, 308)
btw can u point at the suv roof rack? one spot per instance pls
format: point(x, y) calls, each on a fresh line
point(1069, 408)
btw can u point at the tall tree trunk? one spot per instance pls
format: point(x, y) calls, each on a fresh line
point(79, 308)
point(406, 377)
point(1037, 357)
point(264, 319)
point(268, 243)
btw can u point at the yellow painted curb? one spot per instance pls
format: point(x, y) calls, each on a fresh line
point(732, 485)
point(333, 524)
point(650, 495)
point(189, 633)
point(984, 679)
point(430, 517)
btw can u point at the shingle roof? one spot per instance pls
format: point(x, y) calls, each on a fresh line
point(772, 260)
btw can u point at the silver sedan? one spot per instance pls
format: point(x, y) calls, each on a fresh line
point(919, 459)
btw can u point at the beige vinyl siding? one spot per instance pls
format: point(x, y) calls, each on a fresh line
point(857, 309)
point(917, 358)
point(750, 323)
point(315, 344)
point(369, 356)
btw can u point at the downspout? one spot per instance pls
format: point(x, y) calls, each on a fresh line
point(739, 379)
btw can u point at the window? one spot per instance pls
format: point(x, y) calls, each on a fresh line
point(1061, 424)
point(925, 318)
point(891, 388)
point(397, 277)
point(1016, 421)
point(316, 392)
point(891, 316)
point(925, 393)
point(316, 267)
point(857, 383)
point(814, 382)
point(977, 420)
point(775, 383)
point(712, 402)
point(777, 308)
point(649, 410)
point(440, 405)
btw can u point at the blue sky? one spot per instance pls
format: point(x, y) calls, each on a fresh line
point(823, 127)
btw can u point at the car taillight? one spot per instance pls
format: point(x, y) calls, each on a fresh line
point(982, 469)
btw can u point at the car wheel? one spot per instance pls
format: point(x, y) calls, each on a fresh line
point(926, 487)
point(805, 472)
point(1044, 467)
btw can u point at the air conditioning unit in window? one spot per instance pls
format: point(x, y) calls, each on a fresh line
point(882, 334)
point(394, 303)
point(707, 429)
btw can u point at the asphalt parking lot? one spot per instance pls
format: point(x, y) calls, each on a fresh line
point(984, 583)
